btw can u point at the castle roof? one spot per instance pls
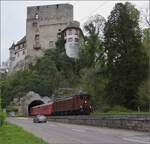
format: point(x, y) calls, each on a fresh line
point(23, 40)
point(73, 25)
point(12, 46)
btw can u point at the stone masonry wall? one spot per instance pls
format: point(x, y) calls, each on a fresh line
point(139, 123)
point(46, 21)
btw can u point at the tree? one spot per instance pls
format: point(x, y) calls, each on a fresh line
point(93, 50)
point(93, 80)
point(146, 41)
point(127, 64)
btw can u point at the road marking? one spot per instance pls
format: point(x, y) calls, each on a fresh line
point(134, 140)
point(78, 130)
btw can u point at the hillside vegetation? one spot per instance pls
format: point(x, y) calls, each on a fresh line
point(113, 65)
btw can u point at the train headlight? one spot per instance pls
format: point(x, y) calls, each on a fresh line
point(81, 106)
point(85, 101)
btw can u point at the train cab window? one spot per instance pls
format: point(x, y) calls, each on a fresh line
point(81, 97)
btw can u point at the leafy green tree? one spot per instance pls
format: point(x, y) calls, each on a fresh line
point(92, 59)
point(146, 41)
point(127, 64)
point(93, 50)
point(144, 95)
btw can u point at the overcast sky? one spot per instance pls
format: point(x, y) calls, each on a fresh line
point(13, 16)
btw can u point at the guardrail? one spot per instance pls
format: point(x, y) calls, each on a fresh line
point(134, 122)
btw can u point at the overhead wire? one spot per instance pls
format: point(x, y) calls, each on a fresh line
point(100, 6)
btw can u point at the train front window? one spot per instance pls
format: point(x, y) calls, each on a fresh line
point(81, 97)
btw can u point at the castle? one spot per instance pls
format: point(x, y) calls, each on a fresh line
point(43, 26)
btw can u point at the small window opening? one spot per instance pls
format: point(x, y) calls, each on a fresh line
point(76, 39)
point(76, 32)
point(50, 43)
point(57, 6)
point(70, 39)
point(34, 24)
point(38, 7)
point(36, 16)
point(37, 37)
point(70, 32)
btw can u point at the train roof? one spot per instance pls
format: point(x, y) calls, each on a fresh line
point(70, 97)
point(42, 105)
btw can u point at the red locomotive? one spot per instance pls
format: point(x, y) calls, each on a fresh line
point(77, 104)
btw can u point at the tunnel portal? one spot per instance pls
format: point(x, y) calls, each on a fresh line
point(32, 104)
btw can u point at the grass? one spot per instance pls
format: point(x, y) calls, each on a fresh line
point(12, 134)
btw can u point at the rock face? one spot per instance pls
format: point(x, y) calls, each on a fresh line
point(29, 100)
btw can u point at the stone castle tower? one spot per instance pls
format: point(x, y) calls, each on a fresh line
point(42, 25)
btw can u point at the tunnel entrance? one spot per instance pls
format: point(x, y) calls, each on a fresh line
point(34, 103)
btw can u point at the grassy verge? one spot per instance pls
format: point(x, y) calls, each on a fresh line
point(11, 134)
point(96, 113)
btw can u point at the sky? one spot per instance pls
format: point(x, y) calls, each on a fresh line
point(13, 17)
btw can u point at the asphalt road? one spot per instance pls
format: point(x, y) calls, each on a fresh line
point(59, 133)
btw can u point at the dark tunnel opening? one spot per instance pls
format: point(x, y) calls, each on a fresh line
point(34, 103)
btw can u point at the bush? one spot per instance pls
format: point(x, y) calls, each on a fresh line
point(11, 109)
point(105, 108)
point(2, 118)
point(118, 108)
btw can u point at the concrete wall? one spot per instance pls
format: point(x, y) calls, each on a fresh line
point(139, 123)
point(46, 21)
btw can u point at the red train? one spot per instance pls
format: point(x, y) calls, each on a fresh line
point(75, 105)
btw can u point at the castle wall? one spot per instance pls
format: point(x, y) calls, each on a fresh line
point(43, 24)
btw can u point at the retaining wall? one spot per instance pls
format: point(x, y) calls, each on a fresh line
point(139, 123)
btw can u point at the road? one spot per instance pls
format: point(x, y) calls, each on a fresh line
point(60, 133)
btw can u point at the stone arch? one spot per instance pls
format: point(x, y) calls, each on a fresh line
point(34, 103)
point(31, 99)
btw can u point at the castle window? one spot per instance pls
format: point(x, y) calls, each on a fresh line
point(36, 16)
point(34, 24)
point(58, 35)
point(37, 37)
point(59, 30)
point(38, 7)
point(76, 32)
point(76, 39)
point(70, 39)
point(64, 33)
point(23, 52)
point(51, 44)
point(57, 6)
point(70, 32)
